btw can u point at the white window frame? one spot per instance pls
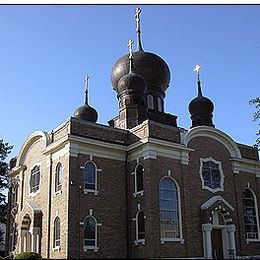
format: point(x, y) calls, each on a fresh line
point(222, 176)
point(248, 240)
point(32, 194)
point(138, 241)
point(58, 192)
point(95, 191)
point(169, 239)
point(95, 247)
point(54, 246)
point(138, 193)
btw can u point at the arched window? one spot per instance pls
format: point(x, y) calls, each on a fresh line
point(150, 101)
point(169, 210)
point(90, 232)
point(58, 177)
point(35, 179)
point(140, 226)
point(159, 104)
point(56, 233)
point(90, 176)
point(139, 182)
point(250, 214)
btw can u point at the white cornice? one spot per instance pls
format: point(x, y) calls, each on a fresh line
point(16, 170)
point(245, 165)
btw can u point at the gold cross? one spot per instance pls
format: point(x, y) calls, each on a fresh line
point(130, 45)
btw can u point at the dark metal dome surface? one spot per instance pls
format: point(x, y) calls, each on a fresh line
point(148, 65)
point(87, 113)
point(132, 81)
point(201, 104)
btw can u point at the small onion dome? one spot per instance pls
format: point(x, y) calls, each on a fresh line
point(86, 112)
point(132, 81)
point(201, 104)
point(148, 65)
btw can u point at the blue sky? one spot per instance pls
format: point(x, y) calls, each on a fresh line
point(46, 50)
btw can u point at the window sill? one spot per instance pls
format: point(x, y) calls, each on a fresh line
point(138, 194)
point(163, 240)
point(33, 194)
point(95, 192)
point(56, 249)
point(87, 248)
point(59, 192)
point(139, 241)
point(252, 240)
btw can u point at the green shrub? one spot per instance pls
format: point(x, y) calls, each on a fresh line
point(28, 255)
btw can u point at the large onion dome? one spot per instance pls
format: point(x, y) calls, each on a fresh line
point(150, 66)
point(86, 112)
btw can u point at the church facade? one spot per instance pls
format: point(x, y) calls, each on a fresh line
point(139, 187)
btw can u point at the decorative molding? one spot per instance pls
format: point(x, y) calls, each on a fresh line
point(211, 132)
point(214, 199)
point(34, 137)
point(151, 148)
point(245, 165)
point(222, 176)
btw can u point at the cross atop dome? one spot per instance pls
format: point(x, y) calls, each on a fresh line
point(138, 29)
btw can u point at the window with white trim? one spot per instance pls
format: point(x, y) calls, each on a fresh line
point(90, 233)
point(90, 177)
point(211, 175)
point(139, 180)
point(140, 226)
point(169, 210)
point(251, 220)
point(56, 232)
point(150, 101)
point(58, 178)
point(35, 179)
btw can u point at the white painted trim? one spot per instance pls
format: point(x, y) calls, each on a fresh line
point(141, 192)
point(95, 191)
point(151, 148)
point(245, 165)
point(95, 248)
point(211, 132)
point(34, 137)
point(222, 176)
point(214, 199)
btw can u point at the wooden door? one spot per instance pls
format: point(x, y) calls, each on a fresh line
point(217, 244)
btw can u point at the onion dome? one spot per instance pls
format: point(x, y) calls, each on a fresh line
point(148, 65)
point(131, 81)
point(201, 108)
point(86, 112)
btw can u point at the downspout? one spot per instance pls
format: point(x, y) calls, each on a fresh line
point(128, 227)
point(49, 204)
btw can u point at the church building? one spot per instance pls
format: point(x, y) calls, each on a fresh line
point(139, 187)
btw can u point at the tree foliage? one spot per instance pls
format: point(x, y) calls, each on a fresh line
point(5, 149)
point(256, 116)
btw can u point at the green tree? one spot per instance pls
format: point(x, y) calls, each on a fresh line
point(256, 116)
point(5, 149)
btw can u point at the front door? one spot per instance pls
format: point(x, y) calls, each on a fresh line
point(217, 244)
